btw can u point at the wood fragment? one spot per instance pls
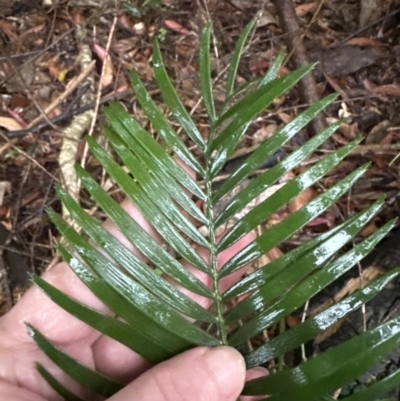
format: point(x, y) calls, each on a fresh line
point(308, 88)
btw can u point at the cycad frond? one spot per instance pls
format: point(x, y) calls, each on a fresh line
point(154, 318)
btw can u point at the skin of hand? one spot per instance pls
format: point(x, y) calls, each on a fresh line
point(199, 374)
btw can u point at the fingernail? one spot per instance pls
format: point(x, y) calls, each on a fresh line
point(228, 366)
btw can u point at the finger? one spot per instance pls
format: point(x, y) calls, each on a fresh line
point(13, 393)
point(252, 374)
point(201, 374)
point(53, 322)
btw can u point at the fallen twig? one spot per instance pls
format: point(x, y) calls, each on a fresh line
point(308, 88)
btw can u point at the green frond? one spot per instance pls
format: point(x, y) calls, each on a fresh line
point(140, 279)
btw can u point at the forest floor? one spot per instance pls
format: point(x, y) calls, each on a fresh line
point(63, 59)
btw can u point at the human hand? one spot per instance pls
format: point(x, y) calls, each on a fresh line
point(198, 374)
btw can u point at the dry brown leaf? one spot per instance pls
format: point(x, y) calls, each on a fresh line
point(302, 199)
point(265, 132)
point(336, 87)
point(379, 159)
point(4, 210)
point(10, 124)
point(368, 230)
point(54, 69)
point(5, 186)
point(266, 18)
point(108, 74)
point(349, 130)
point(389, 90)
point(285, 118)
point(365, 42)
point(9, 30)
point(293, 321)
point(263, 65)
point(304, 9)
point(174, 26)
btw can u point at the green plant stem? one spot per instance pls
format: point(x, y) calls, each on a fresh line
point(214, 263)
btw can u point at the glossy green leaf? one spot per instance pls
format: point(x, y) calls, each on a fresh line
point(280, 232)
point(372, 391)
point(172, 100)
point(236, 57)
point(60, 389)
point(145, 276)
point(97, 382)
point(331, 369)
point(151, 212)
point(126, 126)
point(161, 344)
point(247, 109)
point(244, 111)
point(136, 235)
point(268, 271)
point(162, 126)
point(273, 70)
point(163, 179)
point(129, 335)
point(237, 95)
point(137, 296)
point(314, 325)
point(289, 277)
point(256, 158)
point(297, 296)
point(154, 188)
point(205, 72)
point(282, 196)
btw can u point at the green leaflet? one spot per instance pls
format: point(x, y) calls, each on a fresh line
point(126, 334)
point(139, 270)
point(143, 241)
point(172, 100)
point(281, 197)
point(313, 326)
point(270, 147)
point(330, 370)
point(97, 382)
point(306, 289)
point(267, 272)
point(205, 73)
point(294, 222)
point(153, 214)
point(251, 106)
point(137, 296)
point(123, 123)
point(56, 385)
point(286, 279)
point(236, 57)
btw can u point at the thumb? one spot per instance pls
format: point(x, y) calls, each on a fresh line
point(201, 374)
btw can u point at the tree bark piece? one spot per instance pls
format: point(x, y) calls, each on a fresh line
point(308, 88)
